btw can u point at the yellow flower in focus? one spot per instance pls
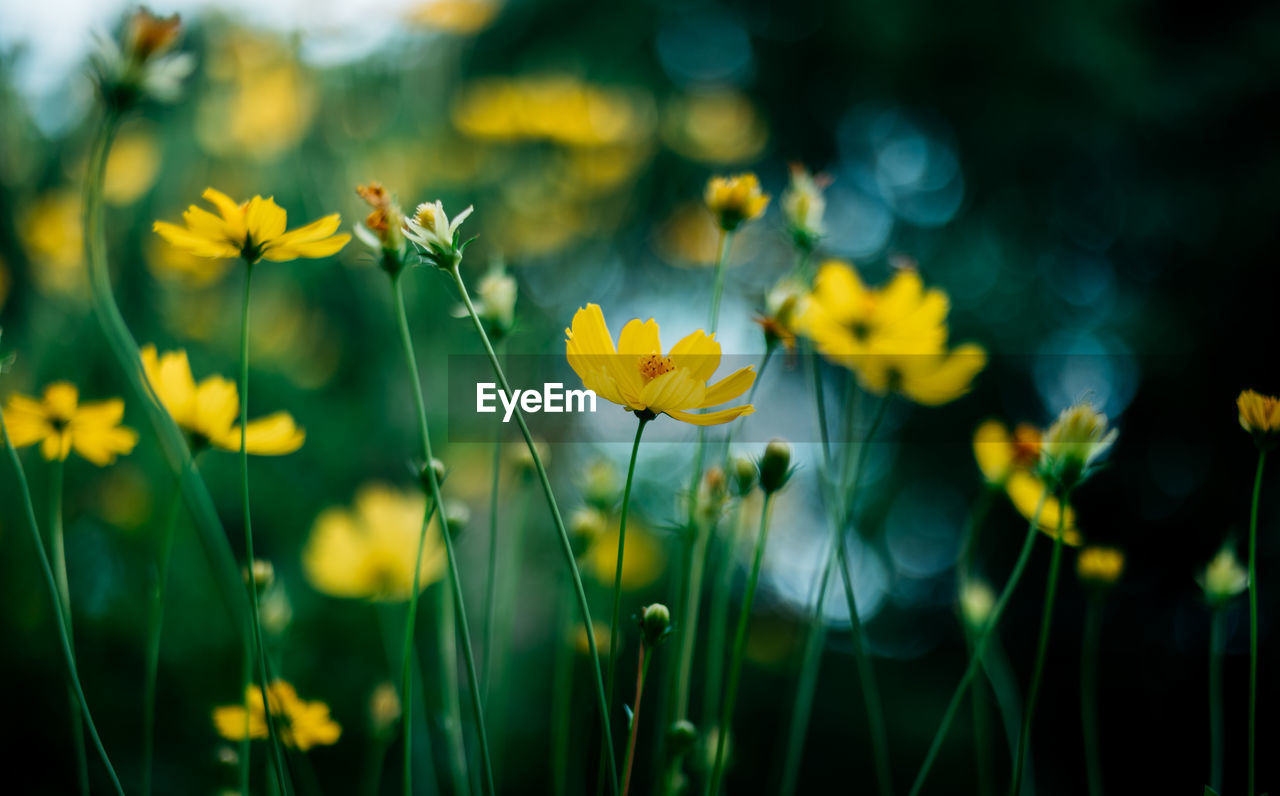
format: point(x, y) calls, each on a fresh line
point(734, 200)
point(254, 230)
point(1008, 460)
point(636, 375)
point(132, 167)
point(367, 552)
point(463, 17)
point(54, 242)
point(1100, 565)
point(208, 410)
point(1260, 416)
point(893, 337)
point(642, 561)
point(60, 423)
point(300, 724)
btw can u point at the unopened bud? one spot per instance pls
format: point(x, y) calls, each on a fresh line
point(681, 736)
point(775, 466)
point(424, 476)
point(457, 517)
point(655, 624)
point(744, 475)
point(600, 486)
point(586, 525)
point(263, 574)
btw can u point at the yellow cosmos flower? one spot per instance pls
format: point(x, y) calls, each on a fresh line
point(367, 552)
point(637, 376)
point(254, 230)
point(1100, 565)
point(1260, 416)
point(208, 410)
point(60, 423)
point(301, 724)
point(733, 200)
point(893, 337)
point(1008, 460)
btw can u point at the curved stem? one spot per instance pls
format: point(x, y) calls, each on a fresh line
point(464, 631)
point(566, 547)
point(491, 577)
point(60, 618)
point(646, 657)
point(58, 550)
point(155, 625)
point(1042, 652)
point(1253, 613)
point(739, 649)
point(1215, 697)
point(1089, 693)
point(980, 646)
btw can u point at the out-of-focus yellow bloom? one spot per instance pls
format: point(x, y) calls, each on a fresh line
point(690, 236)
point(384, 708)
point(1100, 565)
point(894, 337)
point(263, 103)
point(642, 561)
point(977, 598)
point(122, 497)
point(735, 200)
point(208, 411)
point(300, 724)
point(719, 126)
point(181, 268)
point(556, 108)
point(367, 552)
point(132, 167)
point(600, 631)
point(254, 230)
point(1260, 416)
point(60, 423)
point(803, 205)
point(462, 17)
point(1008, 461)
point(1073, 444)
point(638, 376)
point(1224, 577)
point(54, 242)
point(589, 172)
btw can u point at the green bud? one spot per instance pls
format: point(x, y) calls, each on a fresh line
point(681, 737)
point(744, 475)
point(775, 466)
point(456, 517)
point(440, 471)
point(655, 623)
point(586, 525)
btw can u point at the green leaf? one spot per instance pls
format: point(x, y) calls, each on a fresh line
point(1208, 791)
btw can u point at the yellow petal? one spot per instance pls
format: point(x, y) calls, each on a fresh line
point(712, 418)
point(313, 250)
point(840, 293)
point(639, 338)
point(933, 381)
point(265, 220)
point(675, 389)
point(698, 353)
point(273, 435)
point(993, 450)
point(1024, 491)
point(60, 399)
point(217, 403)
point(193, 243)
point(232, 213)
point(729, 387)
point(170, 377)
point(25, 420)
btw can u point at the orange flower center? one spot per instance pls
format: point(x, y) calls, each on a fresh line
point(654, 365)
point(1026, 445)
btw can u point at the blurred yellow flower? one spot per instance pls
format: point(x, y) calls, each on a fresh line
point(263, 100)
point(1100, 565)
point(367, 552)
point(132, 167)
point(300, 724)
point(254, 230)
point(977, 599)
point(181, 268)
point(384, 708)
point(637, 376)
point(557, 108)
point(1008, 461)
point(463, 17)
point(1074, 443)
point(601, 632)
point(642, 561)
point(60, 423)
point(54, 242)
point(1260, 416)
point(718, 126)
point(894, 337)
point(208, 410)
point(734, 200)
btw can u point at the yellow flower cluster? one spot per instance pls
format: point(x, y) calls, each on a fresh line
point(300, 724)
point(556, 108)
point(1010, 461)
point(61, 423)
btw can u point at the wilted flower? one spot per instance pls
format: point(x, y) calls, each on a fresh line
point(1100, 566)
point(382, 229)
point(300, 724)
point(254, 230)
point(734, 200)
point(1260, 416)
point(639, 377)
point(436, 235)
point(1009, 461)
point(208, 411)
point(803, 206)
point(60, 423)
point(1224, 577)
point(1073, 445)
point(977, 599)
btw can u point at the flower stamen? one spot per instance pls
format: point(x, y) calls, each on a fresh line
point(654, 365)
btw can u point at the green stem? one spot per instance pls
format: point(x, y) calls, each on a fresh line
point(60, 616)
point(450, 706)
point(58, 550)
point(1216, 746)
point(277, 755)
point(562, 694)
point(155, 625)
point(617, 571)
point(477, 703)
point(566, 547)
point(717, 285)
point(806, 687)
point(491, 577)
point(980, 646)
point(1089, 693)
point(646, 657)
point(1042, 652)
point(739, 649)
point(718, 620)
point(981, 730)
point(1253, 613)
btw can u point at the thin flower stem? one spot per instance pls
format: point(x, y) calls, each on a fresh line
point(718, 620)
point(60, 618)
point(739, 650)
point(1042, 651)
point(717, 285)
point(446, 627)
point(806, 687)
point(464, 631)
point(562, 693)
point(1216, 746)
point(1089, 693)
point(155, 625)
point(981, 730)
point(980, 647)
point(58, 550)
point(491, 576)
point(1253, 613)
point(277, 755)
point(642, 673)
point(566, 547)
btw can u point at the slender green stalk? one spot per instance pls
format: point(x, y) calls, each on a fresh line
point(739, 649)
point(562, 693)
point(981, 723)
point(566, 547)
point(477, 703)
point(980, 646)
point(58, 550)
point(617, 571)
point(646, 658)
point(491, 577)
point(277, 755)
point(717, 285)
point(450, 705)
point(981, 730)
point(701, 532)
point(1089, 693)
point(718, 620)
point(1216, 746)
point(1042, 651)
point(155, 625)
point(60, 616)
point(806, 686)
point(1253, 613)
point(246, 742)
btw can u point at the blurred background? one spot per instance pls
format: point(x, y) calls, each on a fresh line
point(1093, 184)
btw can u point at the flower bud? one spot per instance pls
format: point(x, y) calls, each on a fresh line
point(1260, 416)
point(1073, 445)
point(276, 611)
point(803, 206)
point(744, 475)
point(1223, 578)
point(775, 466)
point(586, 525)
point(1099, 566)
point(711, 494)
point(384, 709)
point(141, 66)
point(733, 200)
point(523, 459)
point(438, 468)
point(497, 292)
point(977, 599)
point(263, 572)
point(681, 737)
point(600, 486)
point(655, 624)
point(382, 230)
point(456, 517)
